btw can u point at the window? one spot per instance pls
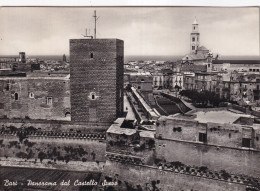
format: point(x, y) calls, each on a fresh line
point(197, 38)
point(93, 96)
point(203, 137)
point(16, 96)
point(49, 100)
point(193, 47)
point(91, 55)
point(139, 87)
point(31, 95)
point(7, 87)
point(193, 28)
point(257, 87)
point(250, 70)
point(193, 39)
point(67, 114)
point(246, 142)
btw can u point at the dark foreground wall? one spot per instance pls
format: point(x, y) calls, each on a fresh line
point(235, 161)
point(132, 177)
point(52, 149)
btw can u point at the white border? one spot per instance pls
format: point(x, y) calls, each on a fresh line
point(220, 3)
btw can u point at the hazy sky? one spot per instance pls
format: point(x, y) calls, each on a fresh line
point(145, 31)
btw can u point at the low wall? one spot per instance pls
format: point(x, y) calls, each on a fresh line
point(57, 126)
point(236, 161)
point(182, 106)
point(139, 177)
point(52, 149)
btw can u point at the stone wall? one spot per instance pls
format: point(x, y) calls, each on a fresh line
point(214, 158)
point(130, 177)
point(221, 148)
point(227, 135)
point(55, 126)
point(27, 97)
point(52, 149)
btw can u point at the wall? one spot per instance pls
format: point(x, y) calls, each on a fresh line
point(56, 126)
point(147, 178)
point(227, 135)
point(34, 107)
point(96, 67)
point(143, 82)
point(222, 149)
point(215, 158)
point(53, 148)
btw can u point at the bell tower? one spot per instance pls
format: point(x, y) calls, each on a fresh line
point(194, 37)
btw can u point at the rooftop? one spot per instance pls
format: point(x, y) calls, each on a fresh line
point(202, 48)
point(116, 128)
point(193, 56)
point(148, 134)
point(223, 116)
point(236, 61)
point(141, 74)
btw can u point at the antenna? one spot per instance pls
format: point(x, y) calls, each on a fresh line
point(95, 29)
point(87, 34)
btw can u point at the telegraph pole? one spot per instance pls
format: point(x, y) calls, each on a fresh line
point(95, 29)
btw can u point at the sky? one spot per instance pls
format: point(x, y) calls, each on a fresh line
point(149, 31)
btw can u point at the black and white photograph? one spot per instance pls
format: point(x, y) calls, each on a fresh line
point(129, 98)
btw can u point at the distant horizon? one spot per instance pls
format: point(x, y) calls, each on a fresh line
point(127, 58)
point(2, 55)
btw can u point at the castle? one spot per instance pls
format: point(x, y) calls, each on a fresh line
point(134, 146)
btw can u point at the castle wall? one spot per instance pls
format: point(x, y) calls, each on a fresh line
point(227, 135)
point(215, 158)
point(55, 126)
point(53, 148)
point(27, 97)
point(134, 177)
point(221, 149)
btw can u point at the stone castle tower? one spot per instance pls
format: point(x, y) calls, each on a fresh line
point(96, 79)
point(194, 37)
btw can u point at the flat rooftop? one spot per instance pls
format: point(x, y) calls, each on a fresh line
point(222, 116)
